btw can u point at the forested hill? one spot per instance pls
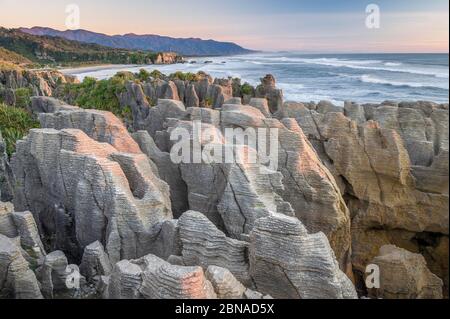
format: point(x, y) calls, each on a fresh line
point(183, 46)
point(46, 50)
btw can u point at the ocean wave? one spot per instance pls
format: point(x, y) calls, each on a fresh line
point(392, 64)
point(374, 65)
point(353, 65)
point(290, 87)
point(375, 80)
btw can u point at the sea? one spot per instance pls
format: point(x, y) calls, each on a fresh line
point(362, 78)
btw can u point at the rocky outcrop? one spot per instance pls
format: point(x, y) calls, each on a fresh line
point(168, 58)
point(22, 227)
point(168, 171)
point(37, 83)
point(242, 192)
point(17, 280)
point(287, 262)
point(225, 284)
point(391, 165)
point(40, 104)
point(53, 275)
point(201, 91)
point(101, 126)
point(404, 275)
point(204, 245)
point(153, 278)
point(95, 262)
point(301, 220)
point(267, 89)
point(81, 191)
point(306, 183)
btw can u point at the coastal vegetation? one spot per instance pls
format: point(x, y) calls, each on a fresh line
point(99, 94)
point(10, 57)
point(20, 47)
point(14, 125)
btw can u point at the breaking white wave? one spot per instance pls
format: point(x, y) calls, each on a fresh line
point(375, 80)
point(371, 65)
point(392, 64)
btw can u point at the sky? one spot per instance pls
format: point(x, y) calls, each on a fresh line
point(325, 26)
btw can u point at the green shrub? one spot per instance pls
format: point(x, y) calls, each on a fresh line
point(156, 74)
point(247, 89)
point(14, 125)
point(100, 94)
point(143, 75)
point(23, 97)
point(185, 76)
point(208, 102)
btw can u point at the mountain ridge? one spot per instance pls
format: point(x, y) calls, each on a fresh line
point(148, 42)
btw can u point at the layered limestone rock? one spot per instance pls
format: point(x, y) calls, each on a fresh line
point(268, 90)
point(204, 245)
point(29, 235)
point(7, 226)
point(162, 280)
point(404, 275)
point(101, 126)
point(168, 171)
point(53, 274)
point(152, 278)
point(17, 280)
point(42, 104)
point(287, 262)
point(307, 184)
point(261, 104)
point(201, 90)
point(225, 284)
point(81, 191)
point(39, 83)
point(243, 190)
point(125, 281)
point(391, 164)
point(160, 113)
point(22, 227)
point(95, 262)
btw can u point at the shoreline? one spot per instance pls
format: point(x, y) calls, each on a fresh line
point(100, 67)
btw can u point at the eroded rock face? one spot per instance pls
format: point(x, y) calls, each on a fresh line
point(204, 245)
point(162, 280)
point(41, 104)
point(268, 90)
point(391, 164)
point(17, 280)
point(52, 274)
point(101, 126)
point(287, 262)
point(347, 182)
point(62, 175)
point(95, 262)
point(225, 284)
point(404, 275)
point(243, 191)
point(168, 171)
point(39, 83)
point(204, 91)
point(152, 278)
point(307, 185)
point(21, 227)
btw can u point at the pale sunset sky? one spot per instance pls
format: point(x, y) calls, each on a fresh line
point(300, 25)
